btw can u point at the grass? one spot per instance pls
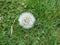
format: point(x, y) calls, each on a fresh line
point(46, 30)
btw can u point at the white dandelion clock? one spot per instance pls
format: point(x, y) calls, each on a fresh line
point(26, 20)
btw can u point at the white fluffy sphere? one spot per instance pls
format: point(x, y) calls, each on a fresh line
point(26, 20)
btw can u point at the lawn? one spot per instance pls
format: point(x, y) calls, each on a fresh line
point(46, 30)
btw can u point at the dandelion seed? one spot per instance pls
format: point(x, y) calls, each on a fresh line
point(26, 20)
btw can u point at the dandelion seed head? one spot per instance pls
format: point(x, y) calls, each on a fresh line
point(26, 20)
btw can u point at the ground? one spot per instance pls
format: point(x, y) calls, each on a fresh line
point(46, 30)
